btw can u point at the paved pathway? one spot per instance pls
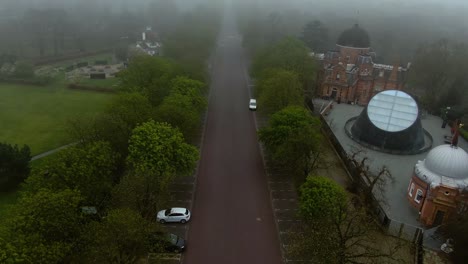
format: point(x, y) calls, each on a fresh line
point(232, 218)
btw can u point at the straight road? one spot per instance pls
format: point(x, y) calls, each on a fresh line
point(232, 219)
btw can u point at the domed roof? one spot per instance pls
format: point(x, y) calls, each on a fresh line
point(448, 161)
point(355, 37)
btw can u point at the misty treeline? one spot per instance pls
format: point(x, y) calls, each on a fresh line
point(35, 28)
point(432, 36)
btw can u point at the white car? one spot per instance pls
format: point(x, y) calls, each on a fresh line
point(175, 214)
point(253, 104)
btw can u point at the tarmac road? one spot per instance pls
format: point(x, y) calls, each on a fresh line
point(232, 219)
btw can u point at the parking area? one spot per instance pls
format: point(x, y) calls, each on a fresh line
point(284, 204)
point(181, 196)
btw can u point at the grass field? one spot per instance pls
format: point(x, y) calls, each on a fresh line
point(37, 116)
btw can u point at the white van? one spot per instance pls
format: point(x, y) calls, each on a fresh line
point(253, 104)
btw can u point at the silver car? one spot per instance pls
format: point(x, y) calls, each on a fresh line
point(175, 214)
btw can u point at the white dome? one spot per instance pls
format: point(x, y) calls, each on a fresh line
point(448, 161)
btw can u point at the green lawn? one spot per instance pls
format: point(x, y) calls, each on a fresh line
point(37, 116)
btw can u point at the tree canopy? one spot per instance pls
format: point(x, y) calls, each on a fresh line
point(44, 226)
point(321, 199)
point(14, 165)
point(160, 149)
point(150, 76)
point(278, 89)
point(289, 54)
point(88, 168)
point(293, 138)
point(438, 74)
point(315, 36)
point(119, 238)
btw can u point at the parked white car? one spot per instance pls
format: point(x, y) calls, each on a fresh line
point(253, 104)
point(175, 214)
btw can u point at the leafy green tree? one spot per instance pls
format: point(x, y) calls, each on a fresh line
point(289, 54)
point(186, 86)
point(45, 225)
point(88, 168)
point(158, 152)
point(315, 36)
point(14, 165)
point(293, 140)
point(321, 197)
point(150, 76)
point(118, 238)
point(115, 125)
point(159, 149)
point(278, 89)
point(142, 193)
point(178, 111)
point(183, 107)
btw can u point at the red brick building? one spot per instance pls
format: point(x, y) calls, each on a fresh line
point(438, 188)
point(349, 73)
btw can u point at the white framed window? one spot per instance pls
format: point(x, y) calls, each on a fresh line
point(419, 196)
point(338, 76)
point(411, 189)
point(381, 73)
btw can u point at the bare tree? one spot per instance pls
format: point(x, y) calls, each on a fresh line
point(372, 181)
point(352, 236)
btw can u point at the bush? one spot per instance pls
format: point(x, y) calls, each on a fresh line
point(14, 165)
point(23, 70)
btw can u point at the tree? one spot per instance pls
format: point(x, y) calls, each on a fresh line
point(183, 107)
point(315, 36)
point(334, 230)
point(115, 125)
point(118, 238)
point(437, 71)
point(320, 197)
point(278, 89)
point(293, 139)
point(186, 86)
point(88, 168)
point(159, 149)
point(288, 54)
point(14, 165)
point(45, 225)
point(157, 153)
point(193, 39)
point(178, 111)
point(372, 181)
point(150, 76)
